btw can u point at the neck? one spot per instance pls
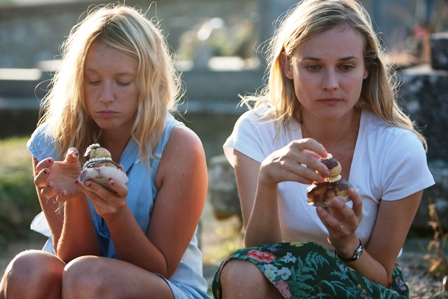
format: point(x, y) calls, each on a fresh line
point(115, 143)
point(334, 134)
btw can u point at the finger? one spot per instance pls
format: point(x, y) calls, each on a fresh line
point(93, 189)
point(316, 171)
point(40, 178)
point(357, 203)
point(340, 210)
point(312, 146)
point(119, 188)
point(45, 163)
point(313, 151)
point(62, 197)
point(48, 190)
point(98, 194)
point(330, 222)
point(72, 155)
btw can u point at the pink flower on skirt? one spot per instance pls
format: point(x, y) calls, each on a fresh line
point(283, 288)
point(264, 257)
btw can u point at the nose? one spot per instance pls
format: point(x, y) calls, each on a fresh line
point(107, 94)
point(330, 80)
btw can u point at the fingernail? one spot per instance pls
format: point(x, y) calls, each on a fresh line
point(111, 182)
point(45, 171)
point(50, 160)
point(72, 152)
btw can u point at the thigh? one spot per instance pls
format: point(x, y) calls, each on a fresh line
point(33, 274)
point(243, 279)
point(100, 277)
point(307, 270)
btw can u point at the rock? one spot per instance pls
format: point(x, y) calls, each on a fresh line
point(222, 191)
point(424, 97)
point(439, 51)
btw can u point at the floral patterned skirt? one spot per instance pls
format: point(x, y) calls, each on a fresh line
point(307, 270)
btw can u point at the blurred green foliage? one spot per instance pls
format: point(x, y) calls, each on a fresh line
point(18, 199)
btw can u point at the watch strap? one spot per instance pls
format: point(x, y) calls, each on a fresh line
point(356, 255)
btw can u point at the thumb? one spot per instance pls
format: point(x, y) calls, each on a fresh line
point(72, 155)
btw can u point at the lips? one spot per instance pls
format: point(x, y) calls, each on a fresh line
point(330, 101)
point(106, 113)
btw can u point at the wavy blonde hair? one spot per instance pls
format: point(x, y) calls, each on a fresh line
point(129, 31)
point(307, 19)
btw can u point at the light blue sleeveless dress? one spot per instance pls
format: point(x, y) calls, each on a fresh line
point(187, 281)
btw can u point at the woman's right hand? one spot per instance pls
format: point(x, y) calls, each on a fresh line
point(58, 178)
point(297, 162)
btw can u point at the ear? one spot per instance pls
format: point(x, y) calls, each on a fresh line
point(286, 65)
point(366, 73)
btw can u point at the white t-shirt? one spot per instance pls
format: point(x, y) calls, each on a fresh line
point(389, 163)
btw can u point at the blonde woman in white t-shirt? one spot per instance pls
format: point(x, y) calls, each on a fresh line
point(329, 91)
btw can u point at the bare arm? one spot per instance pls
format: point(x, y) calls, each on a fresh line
point(49, 205)
point(389, 233)
point(182, 182)
point(257, 186)
point(70, 223)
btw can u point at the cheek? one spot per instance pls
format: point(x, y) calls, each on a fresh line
point(355, 84)
point(306, 84)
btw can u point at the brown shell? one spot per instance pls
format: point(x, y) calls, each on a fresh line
point(321, 194)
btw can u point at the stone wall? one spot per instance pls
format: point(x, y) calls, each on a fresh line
point(424, 96)
point(33, 33)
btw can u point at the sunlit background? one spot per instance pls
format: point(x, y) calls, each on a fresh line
point(218, 48)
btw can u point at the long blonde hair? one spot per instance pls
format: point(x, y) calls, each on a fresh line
point(129, 31)
point(306, 20)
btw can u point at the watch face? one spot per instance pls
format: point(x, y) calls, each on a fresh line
point(358, 253)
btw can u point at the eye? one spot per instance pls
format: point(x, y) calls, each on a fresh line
point(347, 67)
point(92, 79)
point(123, 83)
point(313, 68)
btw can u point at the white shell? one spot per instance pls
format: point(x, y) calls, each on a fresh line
point(102, 175)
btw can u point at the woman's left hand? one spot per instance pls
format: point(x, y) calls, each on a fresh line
point(107, 203)
point(342, 222)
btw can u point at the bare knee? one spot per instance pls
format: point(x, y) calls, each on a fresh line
point(32, 271)
point(86, 277)
point(236, 272)
point(242, 279)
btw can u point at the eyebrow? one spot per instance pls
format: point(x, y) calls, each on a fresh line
point(319, 59)
point(118, 74)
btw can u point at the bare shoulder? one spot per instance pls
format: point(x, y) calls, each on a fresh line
point(184, 142)
point(183, 151)
point(183, 134)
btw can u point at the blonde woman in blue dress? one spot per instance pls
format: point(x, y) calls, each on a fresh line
point(117, 86)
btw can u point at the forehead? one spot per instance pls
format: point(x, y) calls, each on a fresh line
point(102, 57)
point(341, 40)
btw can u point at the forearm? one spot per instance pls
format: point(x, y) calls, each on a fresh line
point(371, 269)
point(78, 235)
point(53, 214)
point(133, 246)
point(263, 226)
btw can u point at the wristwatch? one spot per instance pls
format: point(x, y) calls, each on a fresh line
point(356, 255)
